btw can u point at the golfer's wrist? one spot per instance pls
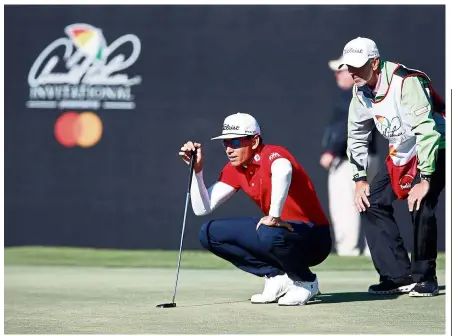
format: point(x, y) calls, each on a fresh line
point(274, 219)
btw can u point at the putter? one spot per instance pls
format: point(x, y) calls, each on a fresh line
point(172, 304)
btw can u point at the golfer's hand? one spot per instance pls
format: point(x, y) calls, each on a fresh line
point(186, 151)
point(273, 221)
point(326, 160)
point(417, 194)
point(362, 190)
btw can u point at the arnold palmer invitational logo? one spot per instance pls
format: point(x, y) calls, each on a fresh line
point(82, 72)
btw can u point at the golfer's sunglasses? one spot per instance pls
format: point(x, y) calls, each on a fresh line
point(236, 142)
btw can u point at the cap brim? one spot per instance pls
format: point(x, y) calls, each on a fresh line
point(229, 136)
point(335, 65)
point(356, 62)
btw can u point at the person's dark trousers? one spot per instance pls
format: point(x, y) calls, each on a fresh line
point(267, 251)
point(389, 255)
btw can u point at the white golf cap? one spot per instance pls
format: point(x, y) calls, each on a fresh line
point(358, 51)
point(239, 125)
point(335, 65)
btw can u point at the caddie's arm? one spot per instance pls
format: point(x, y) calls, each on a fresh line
point(416, 103)
point(359, 130)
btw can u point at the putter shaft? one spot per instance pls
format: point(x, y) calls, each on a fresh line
point(187, 199)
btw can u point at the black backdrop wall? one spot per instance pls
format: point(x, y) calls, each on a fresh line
point(184, 69)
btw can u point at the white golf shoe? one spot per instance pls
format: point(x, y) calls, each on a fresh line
point(274, 288)
point(300, 293)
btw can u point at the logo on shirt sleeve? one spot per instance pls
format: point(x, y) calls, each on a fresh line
point(274, 156)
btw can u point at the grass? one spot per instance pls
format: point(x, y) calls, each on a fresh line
point(99, 300)
point(64, 256)
point(89, 291)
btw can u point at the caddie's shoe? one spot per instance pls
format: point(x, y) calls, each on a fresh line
point(393, 286)
point(425, 288)
point(274, 288)
point(300, 293)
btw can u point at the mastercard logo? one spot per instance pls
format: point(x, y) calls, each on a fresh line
point(78, 129)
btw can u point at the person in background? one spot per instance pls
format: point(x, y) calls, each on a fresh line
point(344, 216)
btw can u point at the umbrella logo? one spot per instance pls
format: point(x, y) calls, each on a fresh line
point(88, 39)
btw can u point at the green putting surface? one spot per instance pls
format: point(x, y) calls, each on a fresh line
point(64, 256)
point(65, 299)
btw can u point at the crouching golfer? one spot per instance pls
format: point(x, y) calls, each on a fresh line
point(294, 233)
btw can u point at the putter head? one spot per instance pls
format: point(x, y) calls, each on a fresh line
point(167, 305)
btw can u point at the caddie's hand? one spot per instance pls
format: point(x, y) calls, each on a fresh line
point(274, 221)
point(186, 151)
point(417, 194)
point(362, 190)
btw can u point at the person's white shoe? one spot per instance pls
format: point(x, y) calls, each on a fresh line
point(274, 288)
point(300, 293)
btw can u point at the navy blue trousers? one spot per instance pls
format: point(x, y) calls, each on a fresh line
point(267, 251)
point(389, 255)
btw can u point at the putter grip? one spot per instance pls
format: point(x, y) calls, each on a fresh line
point(192, 166)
